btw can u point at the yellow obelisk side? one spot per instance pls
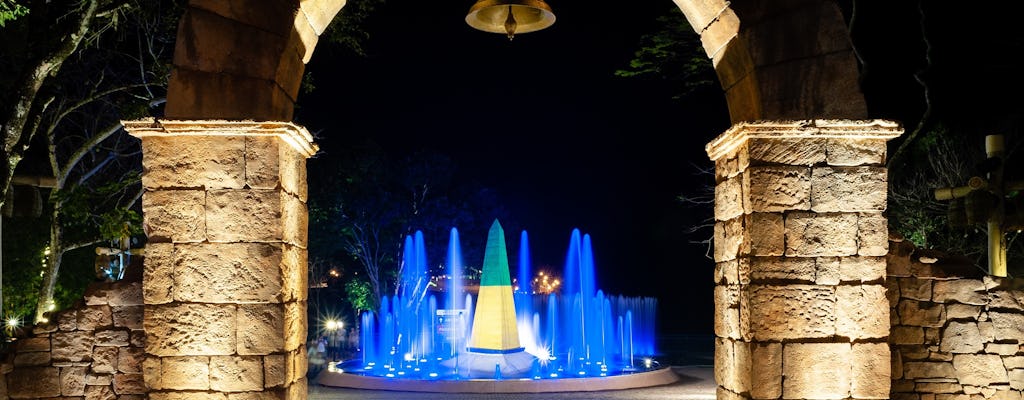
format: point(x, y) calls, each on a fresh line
point(494, 320)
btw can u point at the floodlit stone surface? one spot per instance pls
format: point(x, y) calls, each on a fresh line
point(244, 272)
point(190, 329)
point(810, 291)
point(813, 371)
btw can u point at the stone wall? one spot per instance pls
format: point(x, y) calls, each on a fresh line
point(94, 349)
point(799, 242)
point(957, 333)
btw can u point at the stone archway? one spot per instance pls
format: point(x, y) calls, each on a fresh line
point(226, 190)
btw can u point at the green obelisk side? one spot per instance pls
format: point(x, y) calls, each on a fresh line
point(494, 320)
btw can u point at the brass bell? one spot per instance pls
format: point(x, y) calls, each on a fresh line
point(510, 16)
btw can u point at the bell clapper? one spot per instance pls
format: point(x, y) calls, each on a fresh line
point(510, 24)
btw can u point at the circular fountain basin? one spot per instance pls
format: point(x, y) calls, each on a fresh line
point(335, 377)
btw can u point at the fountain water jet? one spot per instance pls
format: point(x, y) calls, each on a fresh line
point(501, 335)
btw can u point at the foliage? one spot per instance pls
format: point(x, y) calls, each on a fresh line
point(943, 159)
point(348, 29)
point(10, 10)
point(672, 53)
point(359, 295)
point(364, 203)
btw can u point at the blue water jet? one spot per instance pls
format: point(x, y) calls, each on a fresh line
point(578, 332)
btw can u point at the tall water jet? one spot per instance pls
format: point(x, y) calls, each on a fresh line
point(454, 269)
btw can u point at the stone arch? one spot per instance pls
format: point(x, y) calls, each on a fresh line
point(775, 60)
point(219, 184)
point(244, 59)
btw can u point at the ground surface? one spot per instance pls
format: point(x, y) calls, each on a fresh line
point(695, 382)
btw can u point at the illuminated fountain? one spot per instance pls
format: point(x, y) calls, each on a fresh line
point(531, 341)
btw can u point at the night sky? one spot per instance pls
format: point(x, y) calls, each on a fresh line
point(543, 120)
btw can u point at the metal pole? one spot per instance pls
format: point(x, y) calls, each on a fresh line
point(996, 239)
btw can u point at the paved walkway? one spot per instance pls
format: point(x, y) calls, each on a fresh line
point(695, 382)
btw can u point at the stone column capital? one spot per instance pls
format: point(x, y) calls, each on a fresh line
point(740, 133)
point(295, 135)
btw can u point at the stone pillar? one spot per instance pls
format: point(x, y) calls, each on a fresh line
point(800, 242)
point(224, 284)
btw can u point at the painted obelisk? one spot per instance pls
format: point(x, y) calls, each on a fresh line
point(494, 350)
point(494, 320)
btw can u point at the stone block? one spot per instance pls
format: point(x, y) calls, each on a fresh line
point(138, 339)
point(1007, 325)
point(297, 390)
point(94, 317)
point(906, 335)
point(72, 381)
point(174, 216)
point(152, 373)
point(158, 273)
point(129, 317)
point(129, 384)
point(253, 12)
point(295, 325)
point(915, 289)
point(104, 359)
point(861, 269)
point(792, 312)
point(243, 215)
point(848, 189)
point(243, 272)
point(802, 151)
point(766, 234)
point(816, 371)
point(872, 235)
point(979, 369)
point(729, 199)
point(33, 382)
point(265, 395)
point(194, 94)
point(187, 396)
point(852, 152)
point(921, 313)
point(129, 360)
point(726, 273)
point(185, 373)
point(38, 343)
point(826, 270)
point(928, 369)
point(293, 172)
point(962, 311)
point(779, 188)
point(111, 337)
point(870, 373)
point(961, 337)
point(294, 221)
point(98, 379)
point(728, 238)
point(294, 270)
point(274, 370)
point(800, 269)
point(198, 162)
point(233, 48)
point(190, 329)
point(939, 387)
point(1016, 379)
point(236, 373)
point(732, 365)
point(31, 358)
point(74, 346)
point(125, 293)
point(104, 392)
point(810, 234)
point(963, 291)
point(726, 311)
point(262, 162)
point(67, 320)
point(862, 312)
point(261, 329)
point(766, 370)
